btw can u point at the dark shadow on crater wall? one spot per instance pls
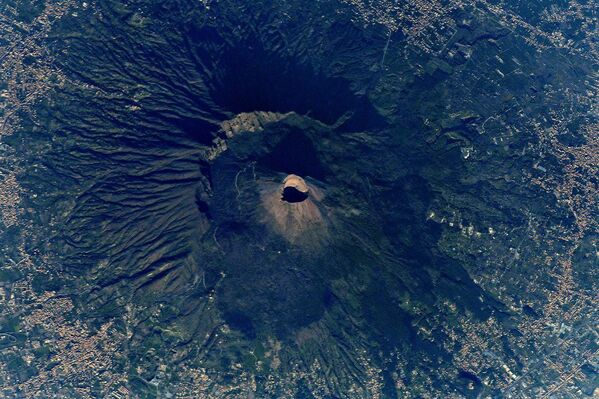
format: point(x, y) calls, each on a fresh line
point(296, 154)
point(256, 79)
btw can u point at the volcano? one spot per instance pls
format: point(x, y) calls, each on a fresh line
point(275, 199)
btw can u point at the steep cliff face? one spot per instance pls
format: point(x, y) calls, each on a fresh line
point(395, 260)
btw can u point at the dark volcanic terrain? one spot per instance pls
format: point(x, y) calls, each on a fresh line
point(271, 199)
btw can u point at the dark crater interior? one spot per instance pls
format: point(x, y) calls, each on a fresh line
point(292, 195)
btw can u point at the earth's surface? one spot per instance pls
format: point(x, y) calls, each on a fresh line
point(293, 199)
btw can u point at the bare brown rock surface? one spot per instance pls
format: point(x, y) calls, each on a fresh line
point(297, 221)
